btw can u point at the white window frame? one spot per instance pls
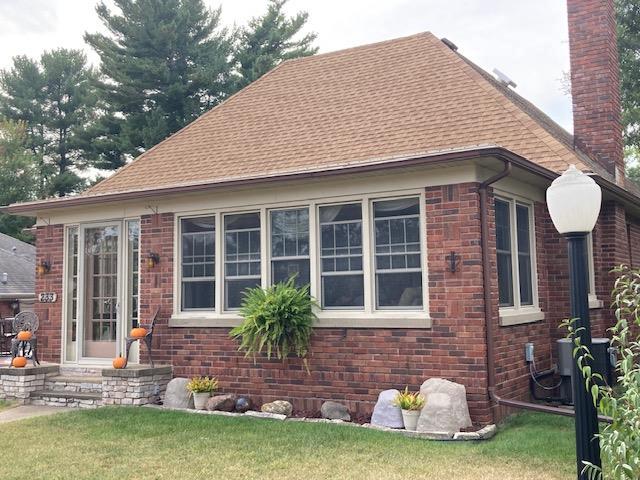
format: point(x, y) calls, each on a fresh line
point(216, 259)
point(518, 314)
point(271, 258)
point(369, 317)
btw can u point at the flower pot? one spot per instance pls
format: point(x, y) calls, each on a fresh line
point(410, 419)
point(200, 400)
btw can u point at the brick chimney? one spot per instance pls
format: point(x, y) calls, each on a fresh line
point(595, 82)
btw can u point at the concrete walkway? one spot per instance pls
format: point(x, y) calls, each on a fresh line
point(29, 411)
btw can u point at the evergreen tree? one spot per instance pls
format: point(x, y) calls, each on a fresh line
point(163, 64)
point(55, 97)
point(270, 39)
point(628, 18)
point(17, 176)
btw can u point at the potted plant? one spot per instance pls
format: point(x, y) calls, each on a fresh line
point(411, 404)
point(201, 388)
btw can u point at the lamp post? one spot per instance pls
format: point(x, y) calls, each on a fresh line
point(574, 202)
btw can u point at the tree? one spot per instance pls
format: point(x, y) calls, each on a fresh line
point(163, 64)
point(17, 179)
point(55, 97)
point(628, 20)
point(270, 39)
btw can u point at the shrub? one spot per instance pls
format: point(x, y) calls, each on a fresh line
point(202, 385)
point(278, 320)
point(409, 401)
point(620, 440)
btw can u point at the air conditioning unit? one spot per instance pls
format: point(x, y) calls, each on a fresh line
point(604, 361)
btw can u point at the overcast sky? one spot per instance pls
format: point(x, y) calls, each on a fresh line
point(525, 39)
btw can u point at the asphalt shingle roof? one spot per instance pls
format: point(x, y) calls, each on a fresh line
point(404, 97)
point(18, 261)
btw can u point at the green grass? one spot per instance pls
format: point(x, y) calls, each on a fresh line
point(4, 404)
point(137, 443)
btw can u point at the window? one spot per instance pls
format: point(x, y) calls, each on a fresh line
point(72, 293)
point(133, 270)
point(290, 245)
point(198, 263)
point(342, 283)
point(514, 253)
point(242, 256)
point(397, 253)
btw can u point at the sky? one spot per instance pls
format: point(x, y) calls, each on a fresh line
point(527, 40)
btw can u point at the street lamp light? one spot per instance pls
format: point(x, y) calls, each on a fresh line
point(574, 202)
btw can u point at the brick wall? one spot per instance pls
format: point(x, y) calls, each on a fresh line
point(50, 247)
point(595, 85)
point(347, 364)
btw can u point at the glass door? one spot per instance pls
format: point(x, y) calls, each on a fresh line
point(100, 286)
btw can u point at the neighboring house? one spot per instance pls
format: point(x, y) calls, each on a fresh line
point(362, 171)
point(17, 276)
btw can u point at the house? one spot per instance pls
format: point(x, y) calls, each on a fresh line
point(17, 276)
point(403, 182)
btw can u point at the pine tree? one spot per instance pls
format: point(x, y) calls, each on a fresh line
point(163, 64)
point(270, 39)
point(17, 176)
point(55, 97)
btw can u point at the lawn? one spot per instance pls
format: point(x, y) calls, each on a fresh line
point(137, 443)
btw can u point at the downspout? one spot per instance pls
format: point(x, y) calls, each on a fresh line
point(486, 276)
point(488, 313)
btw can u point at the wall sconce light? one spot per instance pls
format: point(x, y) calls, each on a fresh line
point(454, 261)
point(43, 267)
point(152, 259)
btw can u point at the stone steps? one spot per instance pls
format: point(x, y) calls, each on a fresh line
point(75, 383)
point(59, 398)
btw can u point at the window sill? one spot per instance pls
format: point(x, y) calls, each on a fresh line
point(511, 316)
point(594, 302)
point(325, 320)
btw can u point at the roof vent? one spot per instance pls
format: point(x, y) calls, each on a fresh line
point(503, 79)
point(4, 278)
point(449, 44)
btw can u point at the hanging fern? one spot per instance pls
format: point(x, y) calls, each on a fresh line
point(278, 320)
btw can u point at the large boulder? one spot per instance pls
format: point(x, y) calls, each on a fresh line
point(243, 404)
point(177, 395)
point(223, 403)
point(280, 407)
point(446, 408)
point(386, 413)
point(335, 411)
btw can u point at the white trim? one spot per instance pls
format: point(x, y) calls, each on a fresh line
point(518, 316)
point(594, 301)
point(533, 253)
point(367, 317)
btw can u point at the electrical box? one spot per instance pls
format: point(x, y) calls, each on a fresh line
point(528, 352)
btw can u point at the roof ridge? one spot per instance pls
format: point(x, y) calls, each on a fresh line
point(473, 73)
point(198, 119)
point(425, 33)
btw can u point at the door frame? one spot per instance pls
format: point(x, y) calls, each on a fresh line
point(122, 288)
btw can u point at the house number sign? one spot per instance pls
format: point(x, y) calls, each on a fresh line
point(48, 297)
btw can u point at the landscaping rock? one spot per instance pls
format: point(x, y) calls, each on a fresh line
point(335, 411)
point(243, 404)
point(385, 413)
point(280, 407)
point(177, 395)
point(446, 408)
point(224, 403)
point(273, 416)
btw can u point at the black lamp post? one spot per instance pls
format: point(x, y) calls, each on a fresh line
point(574, 202)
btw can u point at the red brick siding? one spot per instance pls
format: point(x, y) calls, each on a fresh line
point(347, 364)
point(595, 84)
point(50, 247)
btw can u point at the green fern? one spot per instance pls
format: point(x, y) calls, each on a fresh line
point(278, 320)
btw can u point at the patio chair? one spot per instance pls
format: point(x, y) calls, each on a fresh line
point(6, 334)
point(148, 338)
point(25, 321)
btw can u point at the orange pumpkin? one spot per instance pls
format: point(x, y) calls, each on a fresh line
point(24, 335)
point(138, 332)
point(19, 362)
point(119, 362)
